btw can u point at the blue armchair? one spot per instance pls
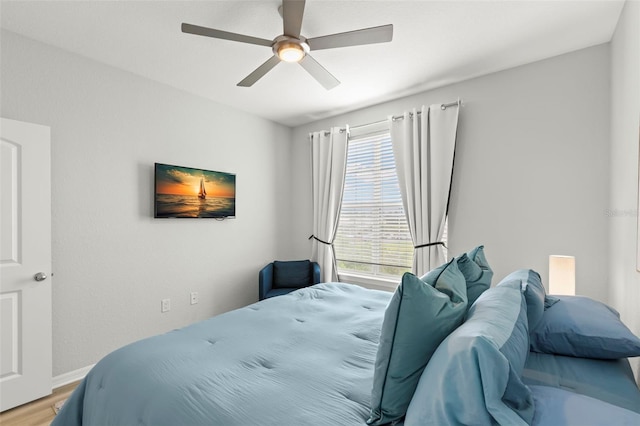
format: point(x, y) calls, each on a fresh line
point(278, 278)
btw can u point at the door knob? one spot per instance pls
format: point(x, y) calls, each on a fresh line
point(40, 276)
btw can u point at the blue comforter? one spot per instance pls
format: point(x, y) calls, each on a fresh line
point(301, 359)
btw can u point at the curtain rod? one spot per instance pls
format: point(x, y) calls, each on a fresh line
point(401, 117)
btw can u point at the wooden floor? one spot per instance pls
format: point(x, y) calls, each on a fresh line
point(39, 412)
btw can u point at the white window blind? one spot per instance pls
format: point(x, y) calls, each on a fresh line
point(372, 237)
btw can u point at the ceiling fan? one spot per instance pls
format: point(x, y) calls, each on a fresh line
point(293, 47)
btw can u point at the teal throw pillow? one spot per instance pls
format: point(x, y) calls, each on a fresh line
point(477, 281)
point(419, 317)
point(476, 270)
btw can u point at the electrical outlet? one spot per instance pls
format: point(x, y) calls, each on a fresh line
point(194, 297)
point(165, 305)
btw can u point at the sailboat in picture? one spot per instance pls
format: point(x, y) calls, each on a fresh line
point(202, 194)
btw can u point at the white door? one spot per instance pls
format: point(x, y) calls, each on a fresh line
point(25, 262)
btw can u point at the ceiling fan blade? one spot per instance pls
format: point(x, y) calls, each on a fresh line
point(318, 72)
point(260, 72)
point(371, 35)
point(292, 11)
point(210, 32)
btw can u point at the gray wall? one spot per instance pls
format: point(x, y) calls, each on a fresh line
point(624, 279)
point(112, 261)
point(531, 174)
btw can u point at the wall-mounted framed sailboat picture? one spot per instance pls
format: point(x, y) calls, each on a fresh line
point(186, 192)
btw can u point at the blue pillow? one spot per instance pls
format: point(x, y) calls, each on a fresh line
point(549, 301)
point(419, 316)
point(534, 293)
point(583, 327)
point(560, 407)
point(476, 271)
point(291, 274)
point(474, 375)
point(476, 286)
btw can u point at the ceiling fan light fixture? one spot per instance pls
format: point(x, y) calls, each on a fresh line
point(291, 52)
point(290, 49)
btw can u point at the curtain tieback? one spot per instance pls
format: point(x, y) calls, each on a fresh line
point(439, 243)
point(319, 240)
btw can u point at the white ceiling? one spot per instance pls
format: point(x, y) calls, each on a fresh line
point(434, 43)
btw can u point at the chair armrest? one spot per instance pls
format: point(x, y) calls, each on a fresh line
point(316, 272)
point(265, 281)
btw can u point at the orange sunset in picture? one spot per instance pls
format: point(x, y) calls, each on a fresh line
point(195, 193)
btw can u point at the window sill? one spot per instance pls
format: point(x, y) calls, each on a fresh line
point(375, 283)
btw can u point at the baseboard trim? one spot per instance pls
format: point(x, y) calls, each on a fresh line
point(70, 377)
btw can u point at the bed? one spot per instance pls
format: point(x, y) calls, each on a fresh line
point(300, 359)
point(317, 355)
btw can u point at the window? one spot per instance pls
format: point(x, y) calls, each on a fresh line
point(373, 238)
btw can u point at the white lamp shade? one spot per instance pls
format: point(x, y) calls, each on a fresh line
point(562, 275)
